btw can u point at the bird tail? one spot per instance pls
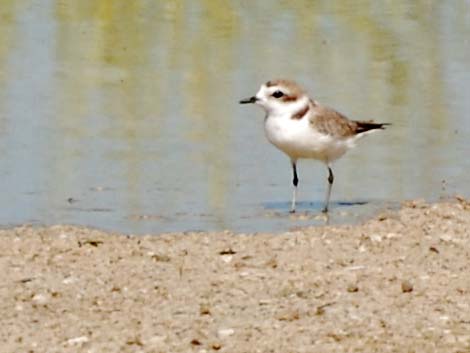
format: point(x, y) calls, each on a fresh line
point(364, 126)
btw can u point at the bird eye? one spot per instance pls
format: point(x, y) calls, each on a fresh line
point(277, 94)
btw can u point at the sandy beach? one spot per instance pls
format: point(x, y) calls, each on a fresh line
point(397, 283)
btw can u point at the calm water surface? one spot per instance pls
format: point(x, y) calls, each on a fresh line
point(123, 115)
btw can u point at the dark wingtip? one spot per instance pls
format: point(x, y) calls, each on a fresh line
point(384, 125)
point(363, 126)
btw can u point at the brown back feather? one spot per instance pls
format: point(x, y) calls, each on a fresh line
point(328, 121)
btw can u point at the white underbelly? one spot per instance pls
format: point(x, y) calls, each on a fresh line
point(298, 140)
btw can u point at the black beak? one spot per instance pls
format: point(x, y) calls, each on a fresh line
point(249, 100)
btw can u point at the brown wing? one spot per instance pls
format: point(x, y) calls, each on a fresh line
point(330, 122)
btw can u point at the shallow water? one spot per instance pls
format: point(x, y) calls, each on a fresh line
point(124, 116)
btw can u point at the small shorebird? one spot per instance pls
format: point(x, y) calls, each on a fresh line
point(303, 128)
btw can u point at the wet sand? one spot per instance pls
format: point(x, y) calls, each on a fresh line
point(397, 283)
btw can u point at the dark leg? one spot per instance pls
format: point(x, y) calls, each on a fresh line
point(295, 182)
point(331, 178)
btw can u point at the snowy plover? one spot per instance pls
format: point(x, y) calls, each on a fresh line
point(303, 128)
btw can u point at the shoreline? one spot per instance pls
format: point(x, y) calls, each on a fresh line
point(394, 283)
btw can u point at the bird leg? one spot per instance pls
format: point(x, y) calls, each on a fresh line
point(295, 182)
point(331, 178)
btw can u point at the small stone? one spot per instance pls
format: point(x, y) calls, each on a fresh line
point(393, 235)
point(227, 258)
point(289, 315)
point(93, 242)
point(320, 310)
point(156, 340)
point(228, 251)
point(265, 301)
point(216, 346)
point(272, 263)
point(40, 299)
point(353, 288)
point(225, 332)
point(355, 268)
point(376, 238)
point(160, 257)
point(446, 238)
point(204, 309)
point(69, 280)
point(382, 217)
point(195, 342)
point(406, 286)
point(302, 294)
point(78, 340)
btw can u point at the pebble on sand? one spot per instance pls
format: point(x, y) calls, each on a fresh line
point(406, 286)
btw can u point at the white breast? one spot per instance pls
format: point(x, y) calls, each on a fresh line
point(298, 139)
